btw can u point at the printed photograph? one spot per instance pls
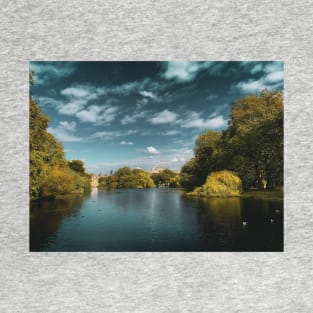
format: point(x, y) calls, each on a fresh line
point(156, 156)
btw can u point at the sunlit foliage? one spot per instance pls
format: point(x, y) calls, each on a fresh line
point(127, 178)
point(219, 184)
point(252, 146)
point(49, 172)
point(166, 178)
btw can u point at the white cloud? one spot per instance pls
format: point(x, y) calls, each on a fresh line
point(252, 67)
point(194, 120)
point(131, 132)
point(270, 81)
point(65, 132)
point(152, 150)
point(70, 126)
point(163, 117)
point(45, 72)
point(252, 86)
point(108, 135)
point(148, 94)
point(171, 132)
point(214, 114)
point(177, 159)
point(273, 76)
point(172, 159)
point(126, 143)
point(184, 71)
point(211, 97)
point(256, 68)
point(128, 119)
point(71, 108)
point(128, 88)
point(275, 66)
point(48, 102)
point(141, 103)
point(79, 92)
point(97, 114)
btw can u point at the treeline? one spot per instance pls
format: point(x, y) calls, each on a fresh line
point(137, 178)
point(50, 174)
point(251, 147)
point(166, 178)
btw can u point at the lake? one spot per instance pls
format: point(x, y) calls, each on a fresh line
point(155, 220)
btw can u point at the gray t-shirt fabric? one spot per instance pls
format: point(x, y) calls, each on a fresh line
point(156, 282)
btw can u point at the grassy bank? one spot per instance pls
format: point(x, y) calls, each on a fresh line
point(264, 194)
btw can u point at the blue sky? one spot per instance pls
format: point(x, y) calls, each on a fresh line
point(142, 114)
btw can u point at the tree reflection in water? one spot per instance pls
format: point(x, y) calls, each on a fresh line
point(55, 210)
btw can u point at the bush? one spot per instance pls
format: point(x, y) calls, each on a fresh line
point(58, 182)
point(126, 178)
point(219, 184)
point(62, 181)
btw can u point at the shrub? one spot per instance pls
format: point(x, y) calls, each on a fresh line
point(58, 182)
point(219, 184)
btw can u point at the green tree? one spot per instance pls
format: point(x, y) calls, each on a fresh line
point(47, 165)
point(219, 184)
point(58, 182)
point(206, 154)
point(77, 166)
point(188, 174)
point(165, 178)
point(256, 136)
point(45, 150)
point(127, 178)
point(252, 146)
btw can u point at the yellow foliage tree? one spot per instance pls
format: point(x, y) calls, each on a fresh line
point(219, 184)
point(58, 182)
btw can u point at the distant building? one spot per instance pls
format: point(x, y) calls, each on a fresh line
point(94, 182)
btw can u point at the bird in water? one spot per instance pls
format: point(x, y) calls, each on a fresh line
point(244, 223)
point(272, 221)
point(277, 211)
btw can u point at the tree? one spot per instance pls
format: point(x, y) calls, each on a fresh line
point(45, 150)
point(49, 172)
point(256, 136)
point(252, 146)
point(206, 154)
point(77, 166)
point(164, 178)
point(188, 174)
point(219, 184)
point(58, 182)
point(127, 178)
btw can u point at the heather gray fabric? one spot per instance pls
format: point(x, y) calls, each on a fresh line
point(156, 282)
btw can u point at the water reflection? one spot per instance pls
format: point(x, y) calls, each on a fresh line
point(155, 220)
point(46, 216)
point(94, 193)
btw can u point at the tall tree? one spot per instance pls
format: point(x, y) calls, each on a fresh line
point(252, 146)
point(45, 150)
point(77, 166)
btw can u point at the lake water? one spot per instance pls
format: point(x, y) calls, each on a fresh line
point(155, 220)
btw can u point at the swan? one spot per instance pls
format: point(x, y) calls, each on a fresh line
point(244, 223)
point(272, 221)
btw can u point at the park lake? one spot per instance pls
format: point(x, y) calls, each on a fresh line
point(177, 156)
point(157, 219)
